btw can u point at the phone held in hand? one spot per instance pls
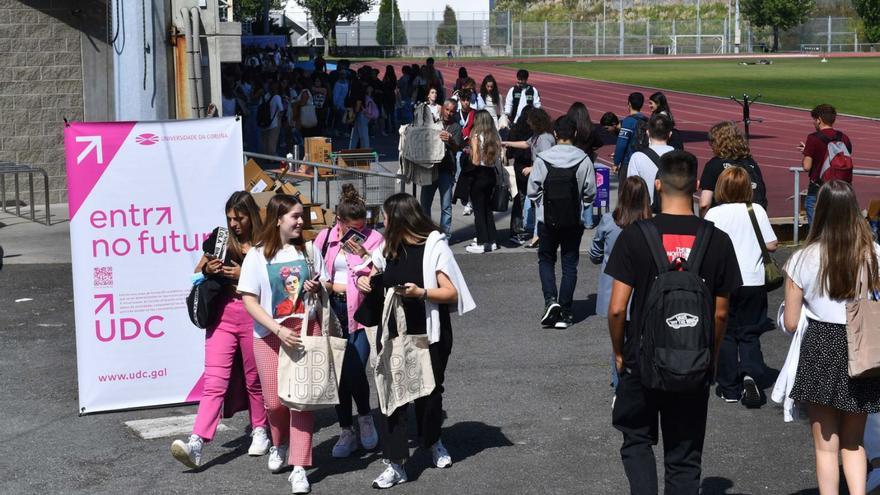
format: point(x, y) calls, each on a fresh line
point(221, 244)
point(353, 235)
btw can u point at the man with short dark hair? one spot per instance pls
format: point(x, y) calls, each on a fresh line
point(644, 163)
point(623, 150)
point(520, 96)
point(451, 136)
point(815, 151)
point(610, 122)
point(562, 180)
point(632, 265)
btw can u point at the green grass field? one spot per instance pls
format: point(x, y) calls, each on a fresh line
point(850, 84)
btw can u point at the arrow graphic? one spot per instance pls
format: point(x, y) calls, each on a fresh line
point(107, 298)
point(94, 144)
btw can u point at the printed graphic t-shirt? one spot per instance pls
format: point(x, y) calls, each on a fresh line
point(278, 283)
point(631, 263)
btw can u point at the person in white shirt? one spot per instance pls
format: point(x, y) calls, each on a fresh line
point(520, 96)
point(269, 134)
point(742, 374)
point(488, 98)
point(821, 279)
point(644, 162)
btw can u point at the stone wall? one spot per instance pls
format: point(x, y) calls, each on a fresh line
point(41, 83)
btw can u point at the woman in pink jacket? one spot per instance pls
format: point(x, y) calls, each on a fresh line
point(346, 249)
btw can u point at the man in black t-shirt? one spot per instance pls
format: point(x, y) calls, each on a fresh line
point(636, 408)
point(713, 169)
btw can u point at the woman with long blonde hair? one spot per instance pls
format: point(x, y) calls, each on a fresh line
point(821, 278)
point(485, 150)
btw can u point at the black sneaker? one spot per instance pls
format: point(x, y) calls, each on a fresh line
point(753, 397)
point(551, 313)
point(565, 320)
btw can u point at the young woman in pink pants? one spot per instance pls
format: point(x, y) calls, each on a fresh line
point(229, 345)
point(275, 276)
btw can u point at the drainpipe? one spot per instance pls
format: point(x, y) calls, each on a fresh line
point(197, 63)
point(187, 36)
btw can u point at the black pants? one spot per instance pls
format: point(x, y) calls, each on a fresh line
point(683, 422)
point(741, 348)
point(481, 199)
point(429, 409)
point(568, 241)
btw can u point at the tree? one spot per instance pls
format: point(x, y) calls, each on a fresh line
point(326, 13)
point(869, 11)
point(447, 31)
point(383, 24)
point(256, 11)
point(778, 14)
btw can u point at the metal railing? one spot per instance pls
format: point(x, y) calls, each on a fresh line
point(14, 169)
point(796, 219)
point(373, 186)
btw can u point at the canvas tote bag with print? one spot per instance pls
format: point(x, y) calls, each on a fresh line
point(308, 375)
point(863, 331)
point(401, 365)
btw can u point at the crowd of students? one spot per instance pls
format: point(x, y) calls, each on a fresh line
point(652, 234)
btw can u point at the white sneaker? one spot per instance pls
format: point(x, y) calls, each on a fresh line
point(299, 482)
point(392, 475)
point(277, 458)
point(259, 442)
point(468, 210)
point(346, 445)
point(369, 437)
point(475, 249)
point(441, 456)
point(190, 452)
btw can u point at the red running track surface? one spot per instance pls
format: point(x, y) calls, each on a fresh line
point(773, 142)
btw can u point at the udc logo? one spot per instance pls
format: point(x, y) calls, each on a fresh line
point(147, 139)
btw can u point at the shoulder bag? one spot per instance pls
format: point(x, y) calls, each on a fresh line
point(773, 276)
point(863, 331)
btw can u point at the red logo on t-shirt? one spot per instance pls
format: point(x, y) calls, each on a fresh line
point(678, 246)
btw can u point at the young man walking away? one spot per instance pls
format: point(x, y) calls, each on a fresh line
point(679, 270)
point(562, 180)
point(818, 162)
point(644, 163)
point(624, 148)
point(520, 96)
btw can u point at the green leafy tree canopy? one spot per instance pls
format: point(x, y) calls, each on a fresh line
point(869, 11)
point(778, 14)
point(326, 13)
point(384, 31)
point(447, 31)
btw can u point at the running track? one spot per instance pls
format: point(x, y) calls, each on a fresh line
point(773, 142)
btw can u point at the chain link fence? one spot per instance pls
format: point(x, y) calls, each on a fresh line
point(482, 34)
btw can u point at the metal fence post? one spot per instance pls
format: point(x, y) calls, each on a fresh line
point(546, 39)
point(571, 38)
point(596, 37)
point(520, 38)
point(647, 36)
point(796, 222)
point(828, 50)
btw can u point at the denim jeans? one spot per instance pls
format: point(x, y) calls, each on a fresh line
point(360, 132)
point(810, 206)
point(444, 183)
point(587, 216)
point(549, 241)
point(353, 383)
point(529, 210)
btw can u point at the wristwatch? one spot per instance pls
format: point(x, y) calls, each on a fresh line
point(424, 297)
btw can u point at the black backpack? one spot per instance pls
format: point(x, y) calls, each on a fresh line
point(639, 140)
point(677, 328)
point(759, 190)
point(562, 197)
point(264, 113)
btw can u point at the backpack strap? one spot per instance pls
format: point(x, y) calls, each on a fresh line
point(701, 245)
point(652, 155)
point(652, 237)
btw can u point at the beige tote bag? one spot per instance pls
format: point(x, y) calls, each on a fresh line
point(402, 368)
point(308, 375)
point(863, 331)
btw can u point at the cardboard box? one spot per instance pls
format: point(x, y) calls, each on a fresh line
point(314, 216)
point(255, 180)
point(310, 234)
point(262, 199)
point(874, 209)
point(329, 218)
point(362, 162)
point(318, 150)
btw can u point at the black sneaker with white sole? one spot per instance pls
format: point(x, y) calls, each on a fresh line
point(565, 320)
point(551, 313)
point(753, 397)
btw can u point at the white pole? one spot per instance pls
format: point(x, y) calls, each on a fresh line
point(546, 39)
point(620, 28)
point(392, 23)
point(699, 30)
point(647, 36)
point(737, 31)
point(571, 38)
point(603, 28)
point(828, 50)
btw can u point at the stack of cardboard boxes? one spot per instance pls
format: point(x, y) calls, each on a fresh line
point(262, 188)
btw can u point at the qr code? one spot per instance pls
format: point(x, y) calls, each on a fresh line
point(103, 276)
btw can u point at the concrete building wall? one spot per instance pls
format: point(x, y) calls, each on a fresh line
point(41, 83)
